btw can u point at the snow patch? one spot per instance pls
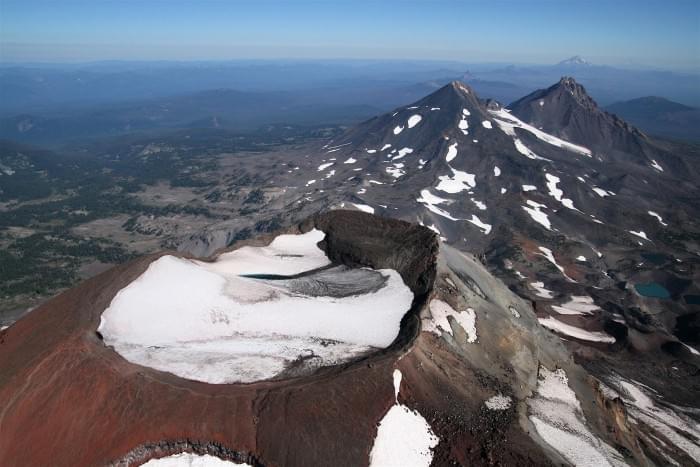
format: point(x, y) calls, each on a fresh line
point(547, 253)
point(541, 290)
point(680, 430)
point(498, 402)
point(508, 122)
point(656, 166)
point(459, 181)
point(572, 331)
point(402, 153)
point(396, 170)
point(398, 129)
point(487, 124)
point(486, 228)
point(414, 120)
point(478, 204)
point(556, 192)
point(577, 305)
point(640, 234)
point(404, 437)
point(186, 459)
point(439, 322)
point(557, 416)
point(464, 126)
point(496, 171)
point(658, 217)
point(434, 228)
point(535, 212)
point(691, 349)
point(602, 193)
point(430, 201)
point(525, 151)
point(364, 208)
point(451, 152)
point(350, 160)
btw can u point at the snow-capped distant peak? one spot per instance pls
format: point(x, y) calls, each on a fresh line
point(575, 60)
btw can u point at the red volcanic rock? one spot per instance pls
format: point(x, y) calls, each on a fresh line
point(69, 400)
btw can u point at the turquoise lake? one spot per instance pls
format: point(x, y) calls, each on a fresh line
point(653, 290)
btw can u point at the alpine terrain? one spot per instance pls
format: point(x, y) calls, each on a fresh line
point(455, 282)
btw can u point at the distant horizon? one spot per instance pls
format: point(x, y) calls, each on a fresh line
point(339, 60)
point(626, 33)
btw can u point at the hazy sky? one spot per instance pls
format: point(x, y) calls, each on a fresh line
point(644, 32)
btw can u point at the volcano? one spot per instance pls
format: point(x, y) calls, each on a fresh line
point(459, 283)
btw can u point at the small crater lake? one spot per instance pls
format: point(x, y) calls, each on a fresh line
point(653, 290)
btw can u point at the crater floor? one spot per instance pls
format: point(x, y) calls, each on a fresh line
point(255, 313)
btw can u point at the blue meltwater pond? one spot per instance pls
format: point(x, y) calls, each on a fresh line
point(652, 289)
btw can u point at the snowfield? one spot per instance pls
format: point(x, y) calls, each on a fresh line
point(404, 437)
point(459, 181)
point(572, 331)
point(186, 459)
point(508, 122)
point(557, 416)
point(682, 431)
point(578, 305)
point(212, 322)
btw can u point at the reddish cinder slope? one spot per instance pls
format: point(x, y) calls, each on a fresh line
point(68, 400)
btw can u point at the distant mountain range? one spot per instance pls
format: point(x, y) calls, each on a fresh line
point(59, 103)
point(661, 117)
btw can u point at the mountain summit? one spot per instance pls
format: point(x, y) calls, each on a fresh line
point(567, 111)
point(576, 60)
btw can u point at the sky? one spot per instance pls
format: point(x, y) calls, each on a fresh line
point(663, 34)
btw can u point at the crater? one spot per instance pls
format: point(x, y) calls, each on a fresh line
point(263, 312)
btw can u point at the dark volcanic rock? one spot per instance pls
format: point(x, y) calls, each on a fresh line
point(566, 110)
